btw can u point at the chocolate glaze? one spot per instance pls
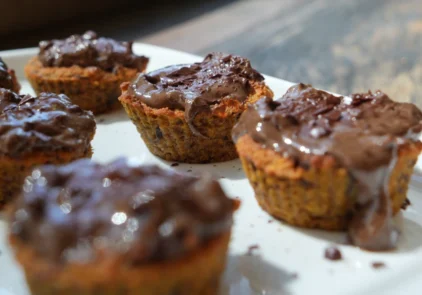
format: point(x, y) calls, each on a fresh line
point(89, 50)
point(142, 214)
point(362, 132)
point(7, 77)
point(48, 122)
point(196, 87)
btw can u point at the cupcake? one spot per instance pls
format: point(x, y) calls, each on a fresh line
point(323, 161)
point(185, 113)
point(86, 228)
point(39, 130)
point(87, 68)
point(8, 78)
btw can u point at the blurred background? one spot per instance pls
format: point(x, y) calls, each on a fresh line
point(339, 45)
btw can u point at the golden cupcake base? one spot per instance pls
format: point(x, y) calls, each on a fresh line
point(198, 273)
point(90, 88)
point(13, 171)
point(167, 134)
point(322, 196)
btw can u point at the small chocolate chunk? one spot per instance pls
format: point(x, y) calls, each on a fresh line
point(406, 204)
point(294, 275)
point(378, 264)
point(333, 253)
point(252, 250)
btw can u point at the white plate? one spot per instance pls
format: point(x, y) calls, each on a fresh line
point(289, 260)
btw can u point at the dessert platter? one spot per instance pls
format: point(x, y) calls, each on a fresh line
point(134, 169)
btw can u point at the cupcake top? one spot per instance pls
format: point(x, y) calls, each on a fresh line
point(362, 133)
point(74, 213)
point(89, 50)
point(48, 122)
point(7, 77)
point(194, 87)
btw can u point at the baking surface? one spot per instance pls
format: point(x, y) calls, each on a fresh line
point(286, 260)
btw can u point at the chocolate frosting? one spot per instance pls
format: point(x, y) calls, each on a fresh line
point(7, 79)
point(362, 132)
point(196, 87)
point(48, 122)
point(89, 50)
point(139, 213)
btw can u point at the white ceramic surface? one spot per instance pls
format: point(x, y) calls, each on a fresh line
point(289, 260)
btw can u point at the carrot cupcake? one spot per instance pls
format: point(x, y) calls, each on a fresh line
point(8, 78)
point(89, 69)
point(323, 161)
point(86, 228)
point(185, 113)
point(39, 130)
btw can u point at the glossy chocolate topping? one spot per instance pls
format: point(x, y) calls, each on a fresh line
point(195, 87)
point(142, 214)
point(89, 50)
point(7, 78)
point(362, 132)
point(48, 122)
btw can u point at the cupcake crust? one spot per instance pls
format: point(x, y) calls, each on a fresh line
point(198, 273)
point(323, 196)
point(91, 88)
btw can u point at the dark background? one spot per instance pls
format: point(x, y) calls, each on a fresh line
point(344, 46)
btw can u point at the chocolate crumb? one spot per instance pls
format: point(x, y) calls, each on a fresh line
point(406, 204)
point(252, 249)
point(378, 264)
point(158, 133)
point(102, 120)
point(174, 165)
point(190, 170)
point(333, 253)
point(214, 165)
point(270, 221)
